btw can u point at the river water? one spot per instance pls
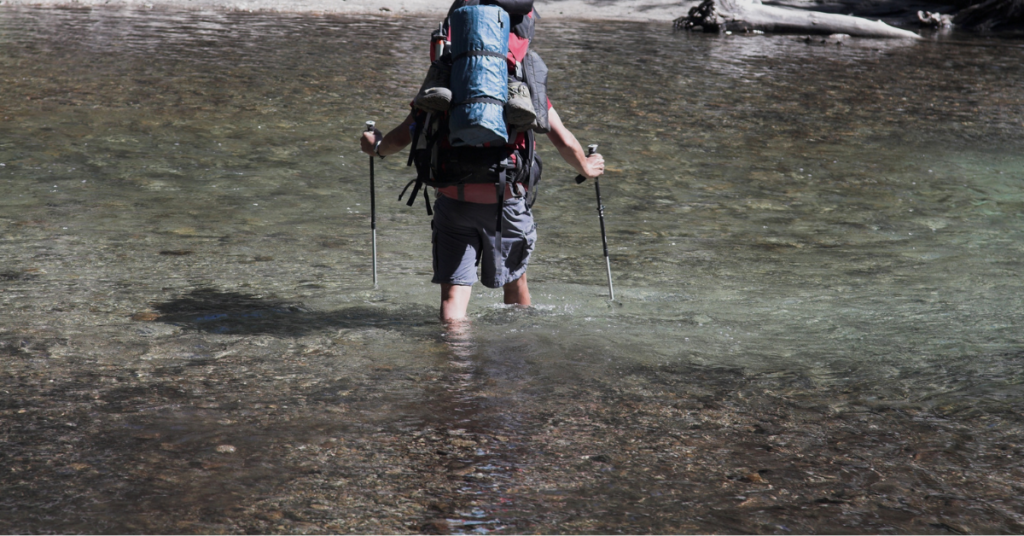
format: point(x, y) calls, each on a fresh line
point(816, 249)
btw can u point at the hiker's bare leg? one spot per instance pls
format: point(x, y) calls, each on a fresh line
point(517, 293)
point(454, 301)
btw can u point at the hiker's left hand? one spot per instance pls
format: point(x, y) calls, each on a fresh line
point(593, 166)
point(368, 141)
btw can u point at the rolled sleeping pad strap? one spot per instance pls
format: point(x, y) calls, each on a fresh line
point(479, 72)
point(478, 53)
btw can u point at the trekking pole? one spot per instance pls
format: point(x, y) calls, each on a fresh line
point(591, 149)
point(373, 210)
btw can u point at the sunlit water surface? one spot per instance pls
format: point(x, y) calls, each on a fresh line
point(816, 250)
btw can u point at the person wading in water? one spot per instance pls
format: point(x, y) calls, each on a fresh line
point(472, 128)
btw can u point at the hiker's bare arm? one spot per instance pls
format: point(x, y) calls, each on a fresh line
point(391, 143)
point(571, 151)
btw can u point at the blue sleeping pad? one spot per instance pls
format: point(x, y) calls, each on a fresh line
point(479, 80)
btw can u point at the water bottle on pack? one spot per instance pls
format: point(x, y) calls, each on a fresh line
point(439, 43)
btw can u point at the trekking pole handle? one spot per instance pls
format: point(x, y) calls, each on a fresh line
point(370, 125)
point(591, 149)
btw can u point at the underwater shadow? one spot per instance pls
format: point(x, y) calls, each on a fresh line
point(214, 311)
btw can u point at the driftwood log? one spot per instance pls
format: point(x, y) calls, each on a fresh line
point(753, 16)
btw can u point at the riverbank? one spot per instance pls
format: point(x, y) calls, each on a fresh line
point(901, 13)
point(633, 10)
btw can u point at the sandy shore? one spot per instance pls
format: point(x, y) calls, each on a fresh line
point(636, 10)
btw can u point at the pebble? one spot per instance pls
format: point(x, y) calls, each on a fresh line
point(145, 316)
point(755, 478)
point(226, 449)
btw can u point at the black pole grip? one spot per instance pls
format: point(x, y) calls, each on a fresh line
point(591, 149)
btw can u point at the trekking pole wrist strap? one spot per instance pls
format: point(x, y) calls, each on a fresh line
point(376, 149)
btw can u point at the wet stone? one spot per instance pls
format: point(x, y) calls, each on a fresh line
point(145, 316)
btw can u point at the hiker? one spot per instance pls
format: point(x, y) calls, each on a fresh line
point(451, 138)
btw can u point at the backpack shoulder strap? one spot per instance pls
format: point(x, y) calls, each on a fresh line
point(536, 74)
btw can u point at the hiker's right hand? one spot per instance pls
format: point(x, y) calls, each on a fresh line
point(593, 166)
point(368, 141)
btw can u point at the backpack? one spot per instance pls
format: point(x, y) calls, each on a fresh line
point(470, 143)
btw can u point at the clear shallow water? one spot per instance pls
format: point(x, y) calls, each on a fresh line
point(816, 252)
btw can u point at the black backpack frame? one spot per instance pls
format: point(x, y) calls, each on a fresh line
point(439, 165)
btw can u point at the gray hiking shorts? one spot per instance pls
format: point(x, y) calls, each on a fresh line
point(463, 238)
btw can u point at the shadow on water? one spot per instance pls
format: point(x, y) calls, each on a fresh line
point(223, 312)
